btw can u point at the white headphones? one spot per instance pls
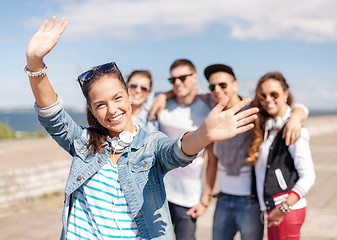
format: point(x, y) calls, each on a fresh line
point(125, 138)
point(271, 123)
point(276, 123)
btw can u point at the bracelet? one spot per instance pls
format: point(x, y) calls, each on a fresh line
point(41, 73)
point(289, 206)
point(284, 209)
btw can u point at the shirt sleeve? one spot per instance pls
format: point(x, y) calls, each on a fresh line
point(50, 110)
point(169, 152)
point(60, 125)
point(179, 151)
point(305, 109)
point(205, 95)
point(301, 153)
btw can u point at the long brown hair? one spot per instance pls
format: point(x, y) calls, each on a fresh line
point(97, 133)
point(259, 125)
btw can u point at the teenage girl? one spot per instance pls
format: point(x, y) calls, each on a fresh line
point(284, 174)
point(140, 84)
point(115, 186)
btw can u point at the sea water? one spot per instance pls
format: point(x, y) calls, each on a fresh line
point(27, 121)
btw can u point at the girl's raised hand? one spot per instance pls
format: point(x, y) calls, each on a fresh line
point(44, 40)
point(221, 125)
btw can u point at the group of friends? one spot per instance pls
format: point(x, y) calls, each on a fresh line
point(137, 169)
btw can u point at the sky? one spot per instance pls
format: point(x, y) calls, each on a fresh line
point(297, 38)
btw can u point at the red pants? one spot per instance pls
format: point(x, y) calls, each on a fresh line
point(290, 226)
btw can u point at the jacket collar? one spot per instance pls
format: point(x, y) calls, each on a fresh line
point(138, 141)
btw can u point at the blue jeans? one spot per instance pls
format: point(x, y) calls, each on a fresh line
point(237, 213)
point(184, 225)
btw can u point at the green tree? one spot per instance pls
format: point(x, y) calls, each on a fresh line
point(6, 131)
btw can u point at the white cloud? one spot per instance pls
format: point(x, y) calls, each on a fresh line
point(317, 93)
point(328, 94)
point(311, 20)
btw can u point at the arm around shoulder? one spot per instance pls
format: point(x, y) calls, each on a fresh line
point(292, 130)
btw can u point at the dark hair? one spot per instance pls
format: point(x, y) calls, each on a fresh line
point(218, 68)
point(143, 73)
point(259, 125)
point(98, 133)
point(183, 62)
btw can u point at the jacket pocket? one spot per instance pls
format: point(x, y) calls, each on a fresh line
point(144, 164)
point(144, 173)
point(81, 150)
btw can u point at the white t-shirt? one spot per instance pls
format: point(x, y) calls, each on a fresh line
point(183, 185)
point(234, 174)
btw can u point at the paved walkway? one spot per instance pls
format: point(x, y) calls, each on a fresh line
point(321, 218)
point(40, 219)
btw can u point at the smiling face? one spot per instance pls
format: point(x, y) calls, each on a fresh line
point(110, 104)
point(273, 98)
point(139, 88)
point(229, 91)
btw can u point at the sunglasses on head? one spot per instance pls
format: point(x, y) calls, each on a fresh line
point(273, 95)
point(134, 86)
point(182, 78)
point(86, 76)
point(223, 85)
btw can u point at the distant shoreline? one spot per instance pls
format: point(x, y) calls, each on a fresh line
point(322, 113)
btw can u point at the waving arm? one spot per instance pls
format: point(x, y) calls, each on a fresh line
point(42, 42)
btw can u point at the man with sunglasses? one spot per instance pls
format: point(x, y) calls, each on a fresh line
point(237, 208)
point(185, 112)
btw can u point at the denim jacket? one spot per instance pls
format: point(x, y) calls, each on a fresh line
point(141, 169)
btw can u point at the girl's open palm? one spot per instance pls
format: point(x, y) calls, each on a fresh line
point(45, 39)
point(221, 125)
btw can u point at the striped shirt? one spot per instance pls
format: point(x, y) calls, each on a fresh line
point(99, 209)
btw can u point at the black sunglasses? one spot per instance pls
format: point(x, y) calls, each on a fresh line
point(182, 78)
point(223, 85)
point(134, 86)
point(86, 76)
point(274, 95)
